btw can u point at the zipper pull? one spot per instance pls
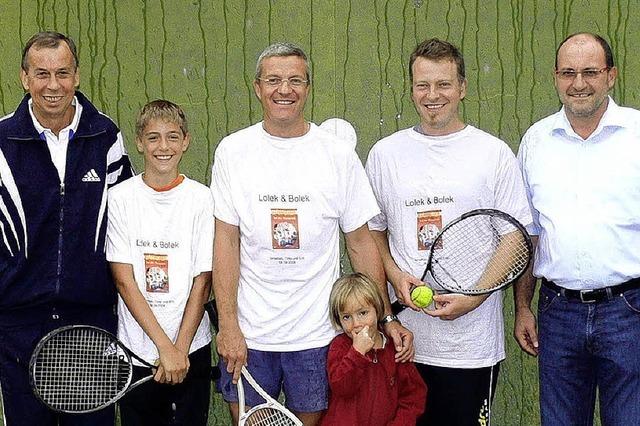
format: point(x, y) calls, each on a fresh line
point(61, 188)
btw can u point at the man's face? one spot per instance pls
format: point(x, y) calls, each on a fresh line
point(436, 93)
point(162, 144)
point(51, 79)
point(583, 97)
point(282, 104)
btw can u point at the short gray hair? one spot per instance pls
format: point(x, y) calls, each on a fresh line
point(50, 40)
point(283, 48)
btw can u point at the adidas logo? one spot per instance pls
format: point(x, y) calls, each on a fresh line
point(91, 176)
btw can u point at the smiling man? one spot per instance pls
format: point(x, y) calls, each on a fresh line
point(58, 157)
point(424, 177)
point(581, 167)
point(272, 292)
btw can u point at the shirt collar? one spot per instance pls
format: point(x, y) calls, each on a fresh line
point(612, 118)
point(73, 127)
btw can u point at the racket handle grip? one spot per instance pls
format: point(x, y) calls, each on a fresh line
point(212, 311)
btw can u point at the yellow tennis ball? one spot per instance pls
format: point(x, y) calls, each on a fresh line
point(422, 296)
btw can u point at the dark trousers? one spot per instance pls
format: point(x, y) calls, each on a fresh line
point(457, 396)
point(589, 350)
point(185, 404)
point(21, 407)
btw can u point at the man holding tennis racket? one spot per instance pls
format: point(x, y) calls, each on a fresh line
point(581, 167)
point(283, 189)
point(58, 156)
point(424, 177)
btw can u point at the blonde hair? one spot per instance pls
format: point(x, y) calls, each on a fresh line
point(351, 286)
point(163, 110)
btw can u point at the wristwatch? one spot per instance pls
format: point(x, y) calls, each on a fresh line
point(388, 319)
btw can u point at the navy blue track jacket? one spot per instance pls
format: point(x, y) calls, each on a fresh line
point(52, 233)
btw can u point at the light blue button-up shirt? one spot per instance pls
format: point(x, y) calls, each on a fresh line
point(585, 198)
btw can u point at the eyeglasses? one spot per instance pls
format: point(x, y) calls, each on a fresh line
point(277, 81)
point(587, 74)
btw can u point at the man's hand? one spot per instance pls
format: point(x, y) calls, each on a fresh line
point(173, 366)
point(402, 341)
point(451, 306)
point(402, 283)
point(362, 342)
point(525, 331)
point(232, 348)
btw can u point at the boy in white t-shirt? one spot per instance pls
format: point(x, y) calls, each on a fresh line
point(159, 244)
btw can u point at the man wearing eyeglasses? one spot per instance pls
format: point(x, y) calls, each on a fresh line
point(581, 167)
point(283, 189)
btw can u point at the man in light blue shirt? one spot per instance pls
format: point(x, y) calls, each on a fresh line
point(581, 167)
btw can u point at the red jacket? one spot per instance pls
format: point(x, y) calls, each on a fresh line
point(372, 389)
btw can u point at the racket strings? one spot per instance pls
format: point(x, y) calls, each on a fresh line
point(479, 253)
point(268, 416)
point(79, 370)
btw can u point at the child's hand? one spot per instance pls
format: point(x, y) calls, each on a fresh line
point(362, 342)
point(173, 365)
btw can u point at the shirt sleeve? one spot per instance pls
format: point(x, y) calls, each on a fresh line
point(118, 247)
point(509, 191)
point(372, 169)
point(345, 367)
point(360, 203)
point(203, 232)
point(534, 227)
point(118, 165)
point(221, 188)
point(412, 395)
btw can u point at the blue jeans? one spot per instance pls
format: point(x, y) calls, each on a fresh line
point(587, 346)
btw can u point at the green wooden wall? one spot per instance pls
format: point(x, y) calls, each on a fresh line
point(201, 54)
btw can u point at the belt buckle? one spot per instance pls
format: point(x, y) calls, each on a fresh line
point(584, 294)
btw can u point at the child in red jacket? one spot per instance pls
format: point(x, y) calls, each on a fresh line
point(367, 386)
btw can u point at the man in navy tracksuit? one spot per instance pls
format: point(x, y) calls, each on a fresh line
point(58, 157)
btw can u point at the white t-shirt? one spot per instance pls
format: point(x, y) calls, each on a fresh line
point(168, 238)
point(288, 196)
point(422, 183)
point(58, 144)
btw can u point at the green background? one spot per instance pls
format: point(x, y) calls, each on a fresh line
point(201, 54)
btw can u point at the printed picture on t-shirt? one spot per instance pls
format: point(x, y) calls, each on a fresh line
point(284, 223)
point(429, 225)
point(156, 268)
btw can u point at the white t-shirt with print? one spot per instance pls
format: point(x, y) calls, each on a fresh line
point(289, 197)
point(168, 239)
point(422, 183)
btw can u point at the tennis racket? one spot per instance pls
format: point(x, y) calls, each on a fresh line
point(270, 413)
point(81, 369)
point(480, 252)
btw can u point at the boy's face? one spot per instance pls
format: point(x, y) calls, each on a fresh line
point(162, 144)
point(356, 314)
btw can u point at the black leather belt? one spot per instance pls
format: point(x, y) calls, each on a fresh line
point(592, 296)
